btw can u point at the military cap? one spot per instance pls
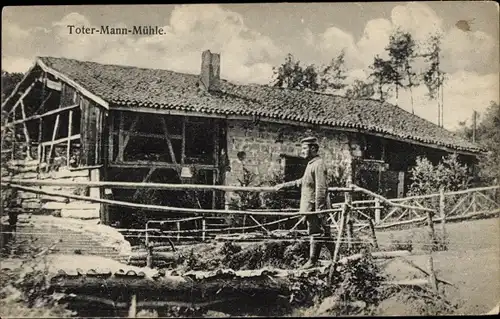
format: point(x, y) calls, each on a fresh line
point(309, 140)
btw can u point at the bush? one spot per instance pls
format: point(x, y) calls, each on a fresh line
point(427, 178)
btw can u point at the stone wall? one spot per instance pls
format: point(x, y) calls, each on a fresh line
point(37, 203)
point(263, 143)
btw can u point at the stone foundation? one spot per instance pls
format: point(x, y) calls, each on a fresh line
point(32, 170)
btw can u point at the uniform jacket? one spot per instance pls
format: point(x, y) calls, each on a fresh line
point(314, 190)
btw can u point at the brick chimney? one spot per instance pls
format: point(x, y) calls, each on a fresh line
point(210, 70)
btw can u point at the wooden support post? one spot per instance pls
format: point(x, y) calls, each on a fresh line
point(149, 258)
point(203, 228)
point(432, 274)
point(68, 145)
point(338, 243)
point(40, 139)
point(178, 224)
point(26, 133)
point(432, 234)
point(132, 310)
point(442, 213)
point(377, 211)
point(183, 141)
point(54, 134)
point(111, 136)
point(474, 205)
point(372, 231)
point(349, 219)
point(169, 141)
point(121, 145)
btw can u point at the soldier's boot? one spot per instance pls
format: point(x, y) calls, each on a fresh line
point(314, 251)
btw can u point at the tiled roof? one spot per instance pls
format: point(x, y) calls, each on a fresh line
point(132, 86)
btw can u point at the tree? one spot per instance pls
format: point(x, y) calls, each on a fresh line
point(332, 76)
point(488, 136)
point(402, 52)
point(382, 76)
point(9, 82)
point(292, 75)
point(360, 90)
point(433, 77)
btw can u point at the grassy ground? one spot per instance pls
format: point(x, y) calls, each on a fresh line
point(471, 262)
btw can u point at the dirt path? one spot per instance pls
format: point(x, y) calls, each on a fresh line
point(472, 262)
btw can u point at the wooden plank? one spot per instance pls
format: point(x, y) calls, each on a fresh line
point(61, 140)
point(54, 134)
point(111, 137)
point(150, 135)
point(259, 224)
point(169, 142)
point(37, 117)
point(68, 145)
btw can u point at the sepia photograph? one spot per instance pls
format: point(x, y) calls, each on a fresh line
point(250, 160)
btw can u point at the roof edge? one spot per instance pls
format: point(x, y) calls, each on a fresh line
point(73, 83)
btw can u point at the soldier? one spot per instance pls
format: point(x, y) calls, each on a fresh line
point(314, 197)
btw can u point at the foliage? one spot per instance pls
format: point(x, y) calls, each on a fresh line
point(488, 136)
point(332, 76)
point(25, 288)
point(397, 71)
point(433, 76)
point(9, 82)
point(382, 75)
point(448, 174)
point(290, 74)
point(360, 90)
point(358, 281)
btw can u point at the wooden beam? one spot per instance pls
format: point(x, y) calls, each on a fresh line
point(70, 128)
point(169, 142)
point(35, 117)
point(54, 134)
point(183, 141)
point(25, 130)
point(42, 105)
point(147, 164)
point(153, 135)
point(121, 126)
point(75, 85)
point(144, 180)
point(111, 136)
point(19, 101)
point(61, 140)
point(124, 138)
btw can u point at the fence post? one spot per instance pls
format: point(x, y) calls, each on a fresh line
point(372, 231)
point(377, 211)
point(442, 213)
point(178, 224)
point(432, 233)
point(474, 207)
point(350, 231)
point(432, 274)
point(203, 228)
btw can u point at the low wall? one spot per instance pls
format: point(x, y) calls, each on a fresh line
point(37, 203)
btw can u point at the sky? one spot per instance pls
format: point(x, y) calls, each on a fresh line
point(252, 38)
